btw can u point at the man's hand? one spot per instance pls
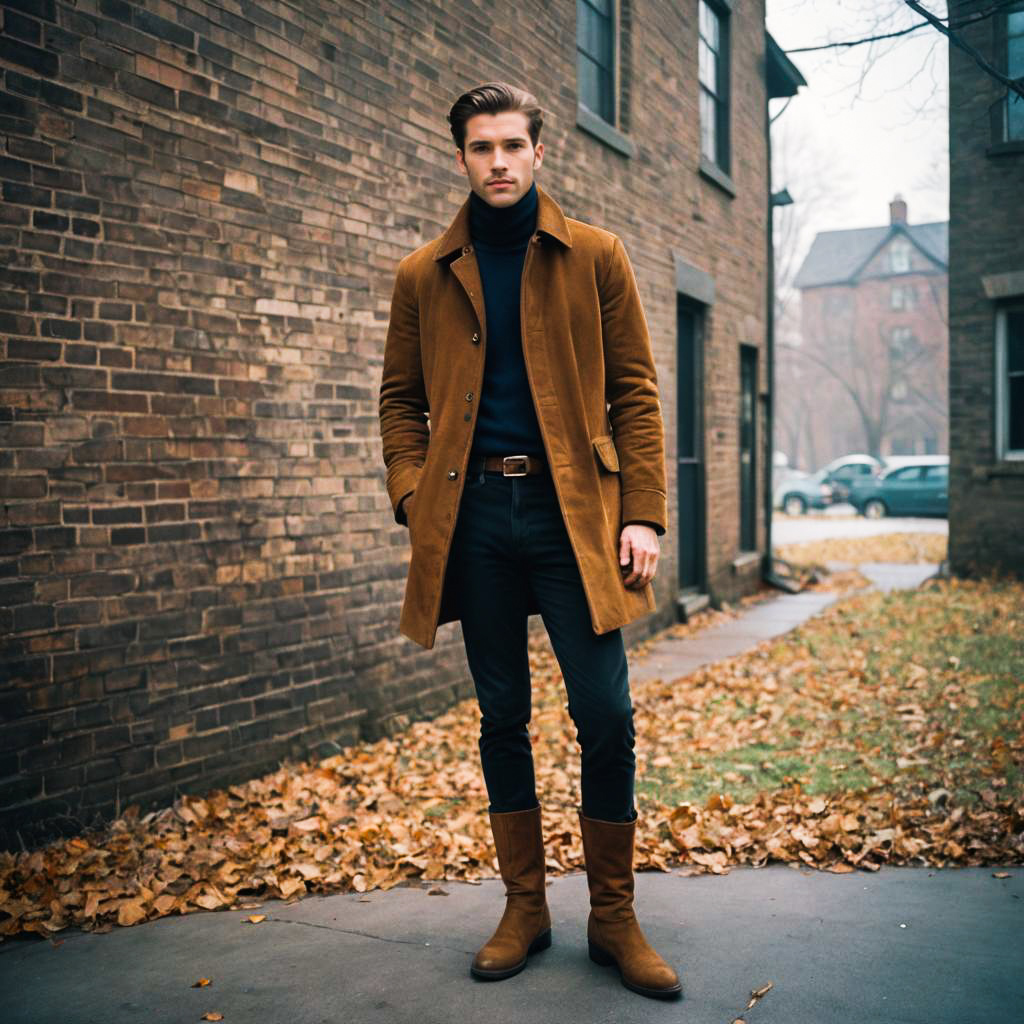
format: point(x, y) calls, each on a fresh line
point(640, 542)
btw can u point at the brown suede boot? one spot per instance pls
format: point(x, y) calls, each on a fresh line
point(613, 933)
point(525, 926)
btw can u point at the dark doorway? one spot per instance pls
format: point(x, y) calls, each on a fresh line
point(689, 442)
point(748, 448)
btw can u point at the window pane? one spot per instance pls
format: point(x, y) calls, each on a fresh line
point(1015, 341)
point(707, 67)
point(936, 474)
point(708, 25)
point(593, 35)
point(1015, 57)
point(587, 83)
point(594, 86)
point(1014, 117)
point(604, 6)
point(1016, 413)
point(707, 125)
point(1015, 23)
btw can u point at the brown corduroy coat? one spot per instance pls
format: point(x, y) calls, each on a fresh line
point(591, 373)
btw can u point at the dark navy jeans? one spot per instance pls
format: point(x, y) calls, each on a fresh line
point(509, 539)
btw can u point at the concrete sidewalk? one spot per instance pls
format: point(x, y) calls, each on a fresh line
point(678, 656)
point(900, 946)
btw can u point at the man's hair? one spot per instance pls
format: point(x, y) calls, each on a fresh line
point(494, 98)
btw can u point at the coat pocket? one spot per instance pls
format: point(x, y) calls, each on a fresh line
point(605, 448)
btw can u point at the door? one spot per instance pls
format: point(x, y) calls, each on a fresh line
point(935, 490)
point(689, 442)
point(901, 493)
point(748, 448)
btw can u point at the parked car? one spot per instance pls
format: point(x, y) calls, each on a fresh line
point(915, 486)
point(847, 470)
point(796, 493)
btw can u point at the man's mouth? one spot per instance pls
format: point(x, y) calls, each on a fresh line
point(499, 182)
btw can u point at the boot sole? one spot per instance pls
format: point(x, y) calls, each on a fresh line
point(605, 959)
point(542, 941)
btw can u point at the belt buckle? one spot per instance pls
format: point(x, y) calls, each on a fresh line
point(523, 459)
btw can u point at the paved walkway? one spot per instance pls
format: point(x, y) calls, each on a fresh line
point(674, 657)
point(899, 946)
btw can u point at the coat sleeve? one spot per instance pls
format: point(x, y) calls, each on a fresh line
point(631, 390)
point(403, 405)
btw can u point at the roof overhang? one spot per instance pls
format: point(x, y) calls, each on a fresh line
point(782, 77)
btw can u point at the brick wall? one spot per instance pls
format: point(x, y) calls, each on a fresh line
point(986, 225)
point(202, 212)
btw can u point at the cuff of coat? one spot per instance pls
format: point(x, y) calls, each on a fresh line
point(403, 484)
point(646, 505)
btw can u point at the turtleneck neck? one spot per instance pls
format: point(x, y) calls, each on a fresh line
point(504, 227)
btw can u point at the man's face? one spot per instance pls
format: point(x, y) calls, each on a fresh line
point(498, 148)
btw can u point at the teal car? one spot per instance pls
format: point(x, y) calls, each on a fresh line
point(916, 486)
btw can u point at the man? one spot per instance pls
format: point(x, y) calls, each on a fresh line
point(524, 447)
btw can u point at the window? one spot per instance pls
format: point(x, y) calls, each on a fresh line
point(1015, 70)
point(1009, 406)
point(899, 256)
point(901, 342)
point(908, 473)
point(595, 56)
point(1007, 113)
point(936, 474)
point(713, 78)
point(902, 296)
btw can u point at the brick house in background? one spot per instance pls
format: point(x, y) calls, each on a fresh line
point(986, 289)
point(872, 362)
point(203, 213)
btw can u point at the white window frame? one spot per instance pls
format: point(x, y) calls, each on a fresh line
point(1002, 402)
point(899, 256)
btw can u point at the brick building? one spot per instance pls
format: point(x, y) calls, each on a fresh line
point(986, 296)
point(873, 356)
point(202, 215)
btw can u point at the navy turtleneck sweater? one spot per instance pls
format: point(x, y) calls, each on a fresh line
point(506, 420)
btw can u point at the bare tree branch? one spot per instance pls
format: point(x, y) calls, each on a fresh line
point(955, 39)
point(846, 44)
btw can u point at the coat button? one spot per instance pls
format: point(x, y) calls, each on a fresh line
point(469, 396)
point(536, 238)
point(453, 474)
point(476, 339)
point(466, 249)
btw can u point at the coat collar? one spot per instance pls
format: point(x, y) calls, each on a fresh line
point(550, 220)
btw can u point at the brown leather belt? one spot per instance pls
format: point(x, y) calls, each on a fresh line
point(509, 465)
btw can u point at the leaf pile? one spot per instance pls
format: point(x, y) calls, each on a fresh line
point(887, 730)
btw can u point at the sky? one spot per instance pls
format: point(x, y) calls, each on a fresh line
point(851, 145)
